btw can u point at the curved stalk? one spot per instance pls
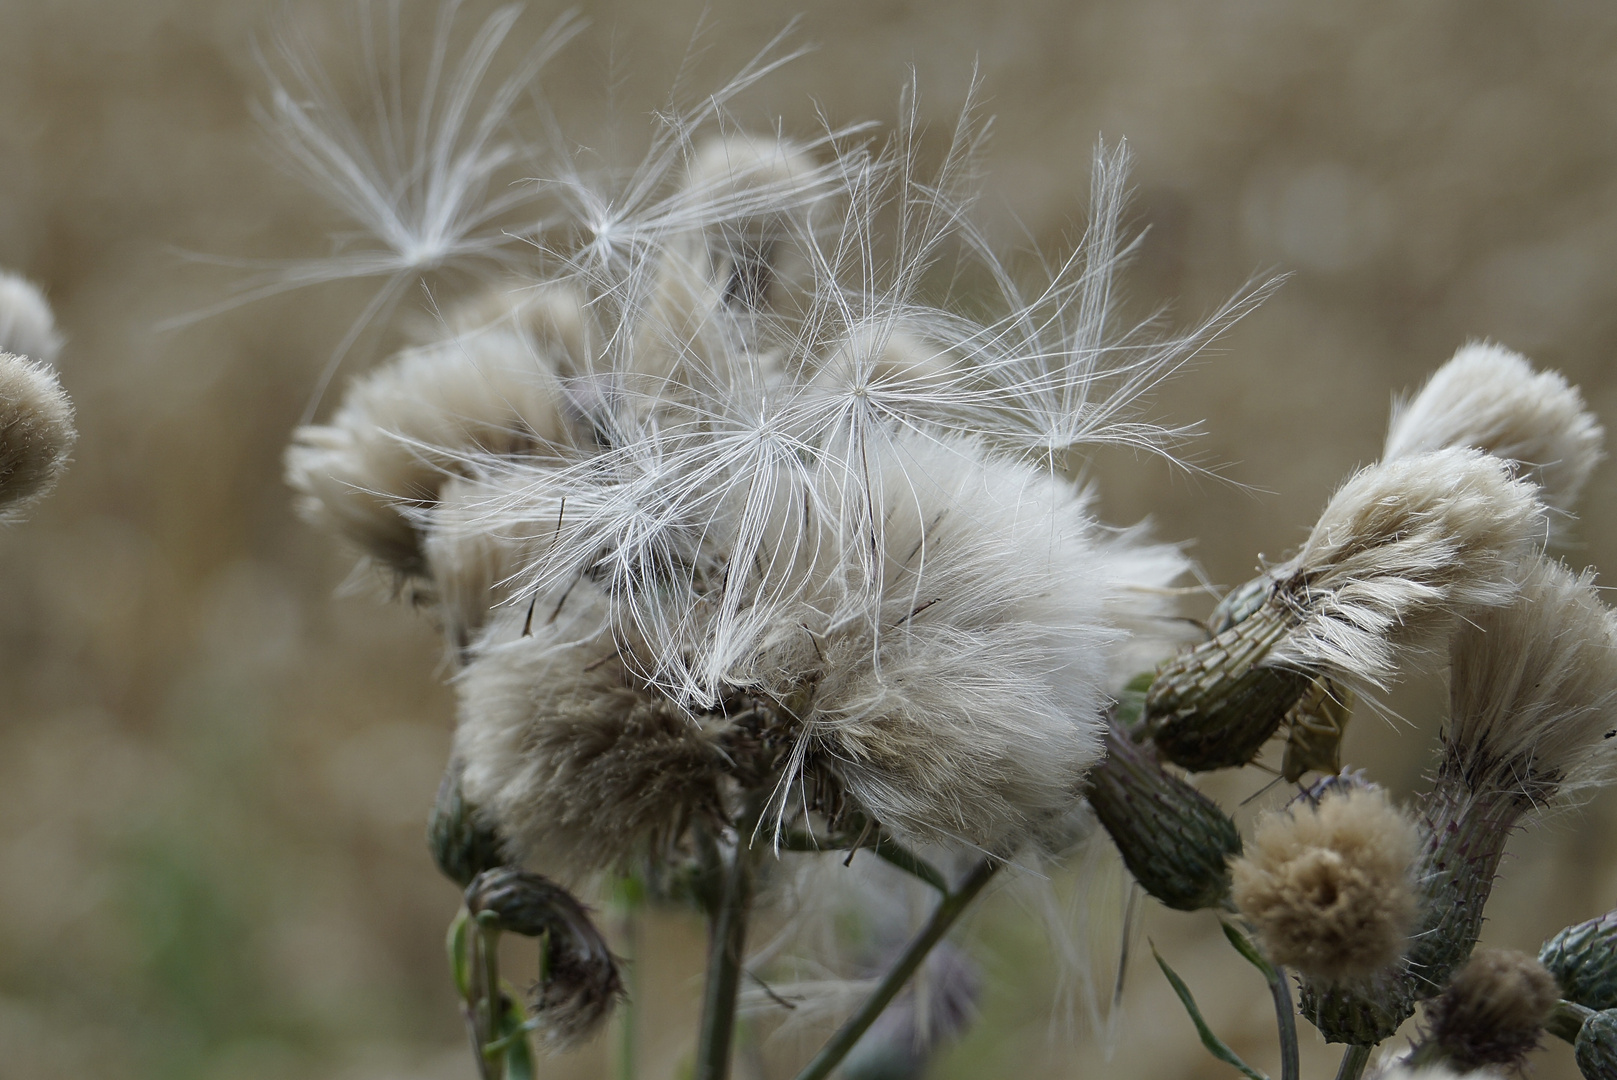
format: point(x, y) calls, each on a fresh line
point(943, 917)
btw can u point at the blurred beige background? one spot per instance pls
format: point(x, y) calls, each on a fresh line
point(213, 773)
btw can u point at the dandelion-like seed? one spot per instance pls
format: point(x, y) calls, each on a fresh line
point(1329, 886)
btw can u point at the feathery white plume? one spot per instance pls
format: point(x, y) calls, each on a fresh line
point(1490, 398)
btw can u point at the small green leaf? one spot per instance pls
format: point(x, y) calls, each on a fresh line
point(1244, 946)
point(1213, 1043)
point(459, 961)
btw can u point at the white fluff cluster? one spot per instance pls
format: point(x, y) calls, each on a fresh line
point(1533, 690)
point(1402, 546)
point(719, 502)
point(1490, 398)
point(27, 326)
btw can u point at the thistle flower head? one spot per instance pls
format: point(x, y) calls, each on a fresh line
point(1402, 545)
point(27, 325)
point(1494, 1009)
point(1328, 886)
point(1490, 398)
point(1533, 690)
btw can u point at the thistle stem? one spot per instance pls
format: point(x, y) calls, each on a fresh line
point(943, 917)
point(727, 942)
point(1286, 1018)
point(1354, 1061)
point(1567, 1020)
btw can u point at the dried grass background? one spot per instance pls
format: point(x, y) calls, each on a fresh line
point(213, 774)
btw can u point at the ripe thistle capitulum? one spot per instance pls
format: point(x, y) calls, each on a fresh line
point(745, 546)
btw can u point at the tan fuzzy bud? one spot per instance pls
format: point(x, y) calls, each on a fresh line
point(1174, 840)
point(1493, 1010)
point(36, 433)
point(578, 976)
point(1328, 888)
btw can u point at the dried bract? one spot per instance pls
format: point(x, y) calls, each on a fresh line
point(578, 983)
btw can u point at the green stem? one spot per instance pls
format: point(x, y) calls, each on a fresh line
point(1286, 1017)
point(943, 916)
point(1353, 1062)
point(1567, 1020)
point(727, 941)
point(629, 926)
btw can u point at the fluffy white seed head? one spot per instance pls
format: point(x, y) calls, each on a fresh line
point(580, 763)
point(27, 326)
point(403, 429)
point(1490, 398)
point(1533, 690)
point(36, 433)
point(1402, 545)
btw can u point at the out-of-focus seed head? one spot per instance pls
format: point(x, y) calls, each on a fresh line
point(578, 983)
point(27, 326)
point(1493, 1010)
point(1328, 887)
point(1583, 959)
point(36, 433)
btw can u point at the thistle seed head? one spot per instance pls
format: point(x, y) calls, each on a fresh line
point(1490, 398)
point(36, 433)
point(462, 840)
point(1401, 547)
point(1328, 887)
point(1493, 1010)
point(1533, 690)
